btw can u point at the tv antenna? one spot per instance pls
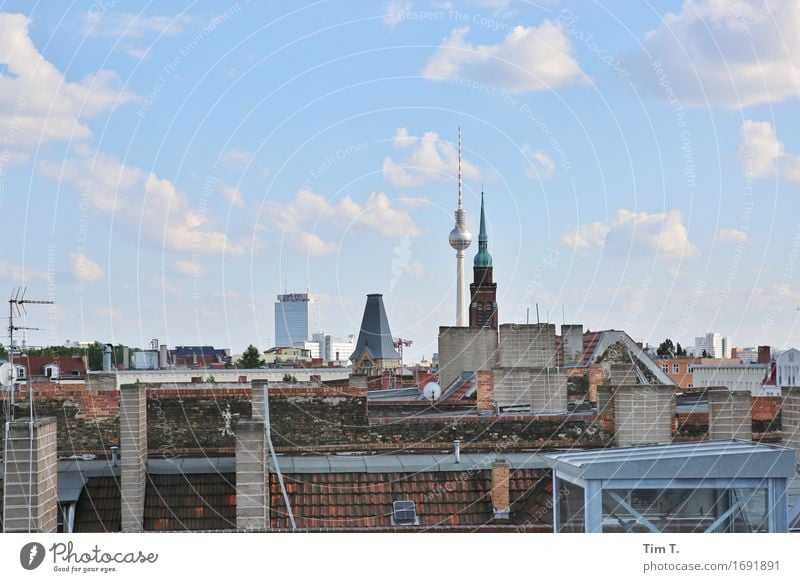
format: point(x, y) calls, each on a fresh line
point(17, 308)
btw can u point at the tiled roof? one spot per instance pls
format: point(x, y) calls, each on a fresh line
point(364, 500)
point(99, 506)
point(66, 364)
point(201, 501)
point(197, 501)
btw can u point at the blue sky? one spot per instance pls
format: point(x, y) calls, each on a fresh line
point(165, 174)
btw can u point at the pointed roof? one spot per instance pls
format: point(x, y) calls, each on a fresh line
point(483, 258)
point(375, 335)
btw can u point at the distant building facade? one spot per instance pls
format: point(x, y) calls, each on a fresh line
point(680, 369)
point(715, 345)
point(736, 377)
point(296, 319)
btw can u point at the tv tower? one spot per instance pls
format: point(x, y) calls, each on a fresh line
point(460, 239)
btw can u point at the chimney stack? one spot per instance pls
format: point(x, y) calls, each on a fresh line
point(501, 496)
point(31, 474)
point(730, 414)
point(133, 444)
point(572, 343)
point(486, 400)
point(252, 476)
point(764, 354)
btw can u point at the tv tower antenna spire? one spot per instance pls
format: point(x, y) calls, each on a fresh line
point(460, 239)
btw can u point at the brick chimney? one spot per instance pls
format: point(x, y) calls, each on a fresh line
point(485, 379)
point(133, 449)
point(501, 496)
point(31, 489)
point(252, 477)
point(764, 354)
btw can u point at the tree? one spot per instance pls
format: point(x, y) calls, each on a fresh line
point(290, 378)
point(705, 354)
point(666, 349)
point(251, 358)
point(681, 352)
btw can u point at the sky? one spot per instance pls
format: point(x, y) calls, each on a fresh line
point(164, 173)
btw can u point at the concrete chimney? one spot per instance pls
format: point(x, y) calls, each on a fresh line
point(126, 357)
point(163, 357)
point(643, 414)
point(252, 476)
point(107, 350)
point(572, 343)
point(501, 495)
point(730, 414)
point(133, 445)
point(31, 474)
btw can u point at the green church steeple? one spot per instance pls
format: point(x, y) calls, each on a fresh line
point(483, 258)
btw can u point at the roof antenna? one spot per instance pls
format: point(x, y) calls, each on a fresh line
point(537, 314)
point(460, 205)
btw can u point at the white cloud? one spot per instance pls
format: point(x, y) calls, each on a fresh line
point(126, 24)
point(586, 236)
point(230, 193)
point(142, 200)
point(37, 104)
point(428, 158)
point(732, 235)
point(537, 165)
point(311, 244)
point(310, 210)
point(191, 268)
point(85, 269)
point(9, 270)
point(379, 214)
point(235, 158)
point(395, 12)
point(637, 234)
point(530, 58)
point(731, 53)
point(762, 154)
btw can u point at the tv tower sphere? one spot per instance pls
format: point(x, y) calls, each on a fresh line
point(460, 238)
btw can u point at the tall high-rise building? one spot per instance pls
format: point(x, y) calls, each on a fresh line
point(714, 344)
point(460, 239)
point(296, 319)
point(483, 291)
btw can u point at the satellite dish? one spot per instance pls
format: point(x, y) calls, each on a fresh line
point(8, 374)
point(432, 391)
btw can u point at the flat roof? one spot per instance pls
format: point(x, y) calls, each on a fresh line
point(728, 459)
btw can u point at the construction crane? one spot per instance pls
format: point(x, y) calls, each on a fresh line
point(399, 344)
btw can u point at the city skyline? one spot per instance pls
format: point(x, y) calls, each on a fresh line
point(163, 174)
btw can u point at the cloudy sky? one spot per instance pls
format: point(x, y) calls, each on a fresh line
point(165, 174)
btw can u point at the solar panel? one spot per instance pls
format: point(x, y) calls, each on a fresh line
point(404, 512)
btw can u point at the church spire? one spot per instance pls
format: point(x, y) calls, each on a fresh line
point(483, 258)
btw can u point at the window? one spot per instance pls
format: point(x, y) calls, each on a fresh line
point(665, 368)
point(404, 513)
point(676, 368)
point(20, 372)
